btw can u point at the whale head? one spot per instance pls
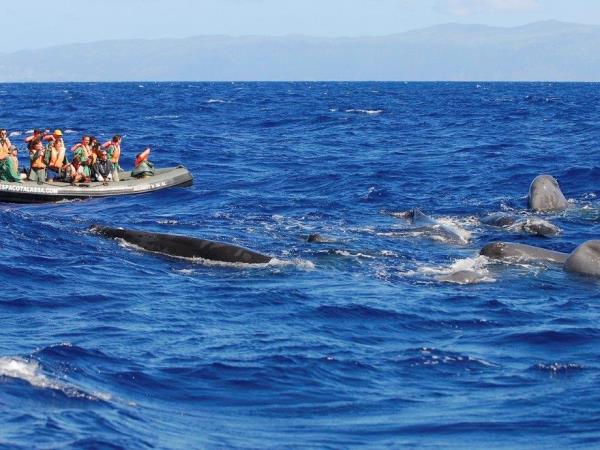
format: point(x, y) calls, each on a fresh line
point(545, 195)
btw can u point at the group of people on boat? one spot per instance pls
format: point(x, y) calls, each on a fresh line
point(91, 161)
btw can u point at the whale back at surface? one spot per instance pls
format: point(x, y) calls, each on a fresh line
point(522, 252)
point(545, 195)
point(419, 218)
point(183, 246)
point(462, 277)
point(498, 220)
point(585, 259)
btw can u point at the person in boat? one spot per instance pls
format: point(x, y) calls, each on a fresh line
point(88, 166)
point(37, 135)
point(5, 144)
point(37, 171)
point(73, 172)
point(95, 146)
point(83, 151)
point(10, 169)
point(55, 156)
point(103, 168)
point(113, 149)
point(142, 167)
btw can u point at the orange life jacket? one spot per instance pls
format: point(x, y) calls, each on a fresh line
point(3, 148)
point(116, 154)
point(58, 157)
point(38, 161)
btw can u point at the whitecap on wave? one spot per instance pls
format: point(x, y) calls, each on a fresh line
point(433, 357)
point(461, 271)
point(299, 263)
point(165, 116)
point(365, 111)
point(445, 231)
point(30, 371)
point(557, 368)
point(455, 226)
point(347, 253)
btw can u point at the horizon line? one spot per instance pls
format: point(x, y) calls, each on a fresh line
point(306, 81)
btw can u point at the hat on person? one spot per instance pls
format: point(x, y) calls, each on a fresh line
point(57, 133)
point(13, 148)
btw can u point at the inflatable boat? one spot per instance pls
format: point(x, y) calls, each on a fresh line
point(54, 191)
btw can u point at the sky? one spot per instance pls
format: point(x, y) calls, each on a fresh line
point(33, 24)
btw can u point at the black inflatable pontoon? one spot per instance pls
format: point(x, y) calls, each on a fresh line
point(31, 192)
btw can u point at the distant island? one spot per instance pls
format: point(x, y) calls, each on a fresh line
point(551, 50)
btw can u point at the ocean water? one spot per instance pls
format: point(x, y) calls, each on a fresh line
point(351, 343)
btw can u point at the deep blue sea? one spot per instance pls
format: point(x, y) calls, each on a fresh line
point(352, 343)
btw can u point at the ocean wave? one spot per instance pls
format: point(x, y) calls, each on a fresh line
point(445, 361)
point(31, 372)
point(164, 116)
point(554, 338)
point(360, 312)
point(363, 332)
point(349, 254)
point(370, 112)
point(273, 263)
point(557, 368)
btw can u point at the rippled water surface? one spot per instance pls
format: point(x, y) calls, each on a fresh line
point(355, 342)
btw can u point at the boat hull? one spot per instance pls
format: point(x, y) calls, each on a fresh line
point(31, 192)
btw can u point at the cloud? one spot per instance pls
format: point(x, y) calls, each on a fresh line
point(471, 7)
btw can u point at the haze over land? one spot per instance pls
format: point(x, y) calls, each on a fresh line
point(540, 51)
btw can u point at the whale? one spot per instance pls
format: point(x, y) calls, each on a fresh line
point(316, 238)
point(422, 223)
point(522, 253)
point(183, 246)
point(533, 226)
point(498, 220)
point(585, 259)
point(545, 195)
point(462, 277)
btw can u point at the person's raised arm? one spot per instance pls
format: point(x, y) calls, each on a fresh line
point(142, 156)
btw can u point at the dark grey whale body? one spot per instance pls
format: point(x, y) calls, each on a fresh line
point(422, 223)
point(499, 220)
point(534, 226)
point(183, 246)
point(462, 277)
point(585, 259)
point(521, 252)
point(316, 238)
point(545, 195)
